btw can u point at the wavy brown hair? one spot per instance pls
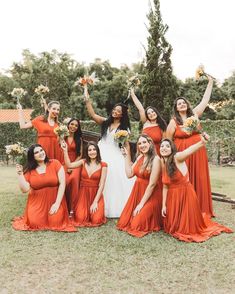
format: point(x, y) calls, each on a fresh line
point(150, 154)
point(160, 120)
point(176, 112)
point(170, 162)
point(98, 157)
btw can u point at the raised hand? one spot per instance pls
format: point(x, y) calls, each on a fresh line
point(64, 146)
point(19, 169)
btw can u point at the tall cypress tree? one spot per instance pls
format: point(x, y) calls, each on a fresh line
point(159, 84)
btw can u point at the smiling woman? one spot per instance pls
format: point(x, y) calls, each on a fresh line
point(45, 125)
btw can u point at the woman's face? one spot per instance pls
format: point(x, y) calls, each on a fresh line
point(54, 110)
point(92, 153)
point(151, 114)
point(73, 126)
point(39, 154)
point(143, 145)
point(117, 112)
point(181, 105)
point(165, 149)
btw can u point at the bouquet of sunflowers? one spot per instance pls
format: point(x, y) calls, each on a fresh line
point(200, 72)
point(87, 80)
point(18, 152)
point(61, 131)
point(121, 137)
point(192, 124)
point(42, 90)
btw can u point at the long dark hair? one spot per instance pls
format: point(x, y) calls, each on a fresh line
point(124, 120)
point(160, 120)
point(176, 112)
point(77, 136)
point(31, 163)
point(49, 105)
point(150, 154)
point(170, 162)
point(98, 157)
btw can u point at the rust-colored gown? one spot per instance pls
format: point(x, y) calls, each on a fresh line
point(47, 138)
point(184, 219)
point(155, 133)
point(88, 188)
point(72, 178)
point(42, 195)
point(149, 218)
point(198, 168)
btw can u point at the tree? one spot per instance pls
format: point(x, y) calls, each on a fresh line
point(160, 86)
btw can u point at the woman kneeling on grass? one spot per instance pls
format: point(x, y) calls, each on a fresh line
point(89, 211)
point(142, 212)
point(180, 207)
point(44, 180)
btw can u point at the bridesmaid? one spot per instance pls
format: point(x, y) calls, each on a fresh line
point(45, 125)
point(89, 211)
point(75, 149)
point(44, 180)
point(198, 162)
point(142, 212)
point(153, 124)
point(180, 207)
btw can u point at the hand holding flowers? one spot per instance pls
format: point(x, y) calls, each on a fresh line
point(121, 137)
point(18, 93)
point(61, 131)
point(18, 152)
point(42, 90)
point(200, 72)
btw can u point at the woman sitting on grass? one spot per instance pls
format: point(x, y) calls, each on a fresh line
point(180, 207)
point(44, 180)
point(89, 210)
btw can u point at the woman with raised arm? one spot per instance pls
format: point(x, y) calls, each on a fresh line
point(89, 211)
point(153, 124)
point(142, 212)
point(44, 180)
point(45, 125)
point(118, 187)
point(75, 149)
point(183, 218)
point(198, 162)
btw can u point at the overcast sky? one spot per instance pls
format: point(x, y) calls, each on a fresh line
point(200, 31)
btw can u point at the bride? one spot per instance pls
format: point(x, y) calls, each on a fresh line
point(118, 186)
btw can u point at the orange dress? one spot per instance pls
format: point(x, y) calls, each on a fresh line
point(72, 178)
point(184, 219)
point(47, 138)
point(198, 168)
point(149, 218)
point(42, 195)
point(155, 133)
point(88, 188)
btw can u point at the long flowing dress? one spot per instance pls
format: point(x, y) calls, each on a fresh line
point(47, 138)
point(155, 133)
point(198, 168)
point(42, 195)
point(118, 186)
point(184, 219)
point(149, 218)
point(72, 178)
point(89, 186)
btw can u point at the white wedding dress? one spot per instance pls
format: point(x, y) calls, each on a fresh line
point(117, 186)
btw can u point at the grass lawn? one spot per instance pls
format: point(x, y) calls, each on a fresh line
point(104, 260)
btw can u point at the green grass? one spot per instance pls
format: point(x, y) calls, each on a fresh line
point(104, 260)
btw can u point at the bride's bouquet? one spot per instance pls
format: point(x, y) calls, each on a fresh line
point(18, 152)
point(61, 131)
point(18, 93)
point(121, 137)
point(42, 90)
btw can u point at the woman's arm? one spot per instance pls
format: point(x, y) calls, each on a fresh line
point(139, 106)
point(155, 172)
point(60, 193)
point(94, 205)
point(67, 161)
point(183, 155)
point(170, 131)
point(97, 118)
point(23, 124)
point(199, 109)
point(23, 184)
point(164, 197)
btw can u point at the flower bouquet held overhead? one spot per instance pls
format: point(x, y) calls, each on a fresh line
point(17, 152)
point(85, 81)
point(42, 90)
point(200, 72)
point(132, 82)
point(18, 93)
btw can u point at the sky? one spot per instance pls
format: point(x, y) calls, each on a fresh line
point(200, 32)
